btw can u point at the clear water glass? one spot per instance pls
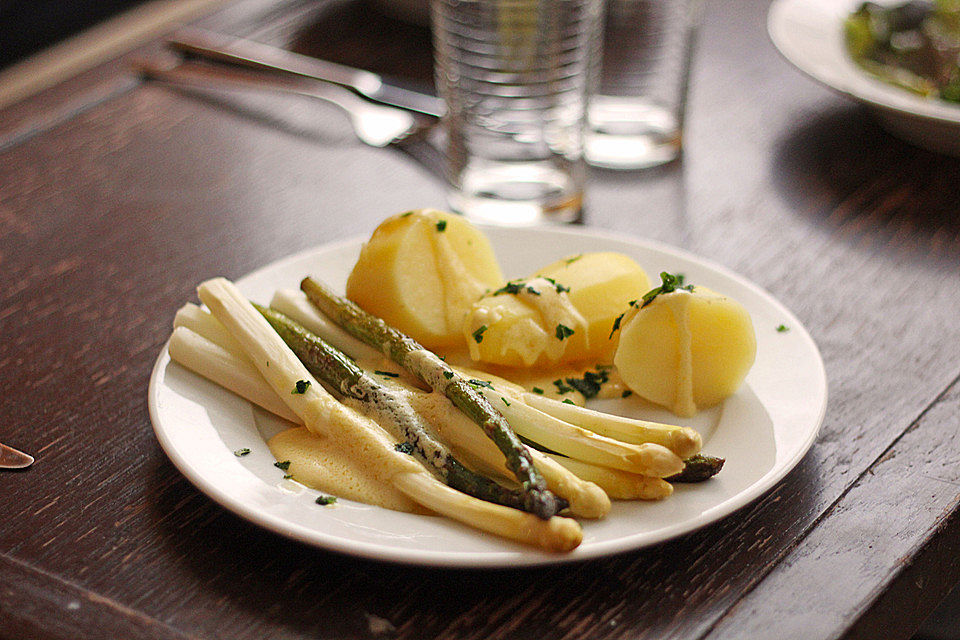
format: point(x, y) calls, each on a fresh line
point(636, 116)
point(515, 76)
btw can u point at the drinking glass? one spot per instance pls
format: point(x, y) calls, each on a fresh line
point(515, 76)
point(635, 119)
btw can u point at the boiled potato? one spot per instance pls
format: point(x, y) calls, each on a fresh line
point(563, 313)
point(421, 271)
point(601, 284)
point(686, 350)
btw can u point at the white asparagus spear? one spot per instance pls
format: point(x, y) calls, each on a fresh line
point(322, 413)
point(293, 303)
point(202, 323)
point(230, 371)
point(586, 499)
point(619, 485)
point(683, 441)
point(644, 459)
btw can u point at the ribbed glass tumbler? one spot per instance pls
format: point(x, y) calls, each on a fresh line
point(515, 75)
point(636, 117)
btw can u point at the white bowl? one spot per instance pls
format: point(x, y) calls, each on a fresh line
point(809, 34)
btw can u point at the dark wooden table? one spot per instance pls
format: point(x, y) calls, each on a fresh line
point(117, 197)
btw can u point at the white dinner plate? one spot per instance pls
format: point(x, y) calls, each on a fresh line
point(809, 34)
point(763, 430)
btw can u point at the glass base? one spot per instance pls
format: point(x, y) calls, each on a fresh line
point(518, 194)
point(629, 133)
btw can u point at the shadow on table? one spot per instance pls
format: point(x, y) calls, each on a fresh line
point(871, 189)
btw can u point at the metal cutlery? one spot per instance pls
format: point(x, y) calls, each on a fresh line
point(10, 458)
point(374, 124)
point(246, 53)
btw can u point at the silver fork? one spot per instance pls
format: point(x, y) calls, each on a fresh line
point(374, 124)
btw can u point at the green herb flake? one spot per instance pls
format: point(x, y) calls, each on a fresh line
point(538, 391)
point(556, 285)
point(404, 447)
point(283, 466)
point(669, 284)
point(569, 401)
point(478, 334)
point(386, 374)
point(241, 452)
point(573, 259)
point(563, 332)
point(616, 325)
point(562, 388)
point(513, 287)
point(301, 387)
point(442, 225)
point(323, 500)
point(505, 401)
point(480, 383)
point(783, 328)
point(288, 476)
point(591, 382)
point(406, 214)
point(531, 290)
point(626, 393)
point(448, 375)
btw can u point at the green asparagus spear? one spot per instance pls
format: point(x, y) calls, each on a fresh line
point(698, 468)
point(341, 373)
point(427, 366)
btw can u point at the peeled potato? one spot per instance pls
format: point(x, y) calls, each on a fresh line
point(601, 284)
point(686, 350)
point(421, 271)
point(520, 328)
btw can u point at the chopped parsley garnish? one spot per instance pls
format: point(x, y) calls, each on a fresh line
point(283, 466)
point(616, 325)
point(556, 285)
point(241, 452)
point(568, 401)
point(408, 213)
point(480, 383)
point(589, 385)
point(573, 259)
point(669, 284)
point(404, 447)
point(505, 401)
point(478, 334)
point(287, 476)
point(442, 225)
point(388, 374)
point(561, 387)
point(783, 328)
point(323, 500)
point(626, 393)
point(512, 288)
point(563, 332)
point(538, 391)
point(301, 387)
point(448, 375)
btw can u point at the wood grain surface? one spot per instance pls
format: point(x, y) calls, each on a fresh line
point(110, 215)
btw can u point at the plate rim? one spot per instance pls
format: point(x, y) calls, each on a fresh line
point(509, 557)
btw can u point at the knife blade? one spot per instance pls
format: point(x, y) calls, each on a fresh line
point(10, 458)
point(227, 49)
